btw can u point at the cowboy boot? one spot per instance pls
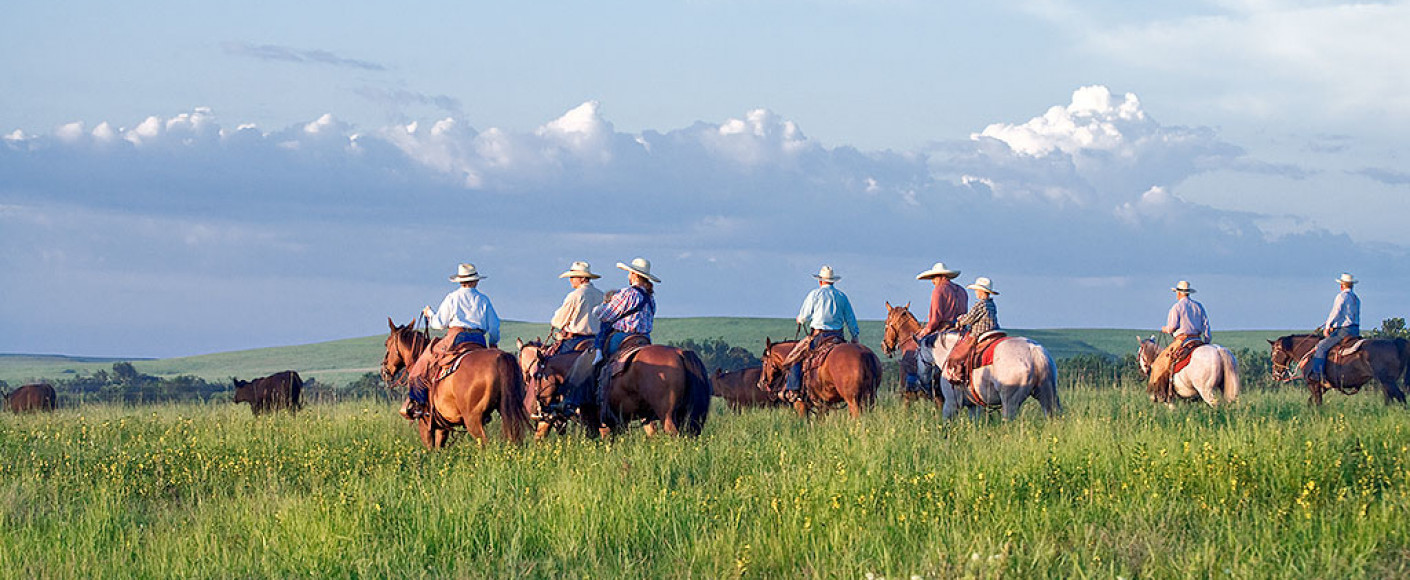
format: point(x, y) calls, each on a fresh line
point(1315, 370)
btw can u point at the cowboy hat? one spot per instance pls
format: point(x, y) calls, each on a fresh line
point(982, 283)
point(1183, 286)
point(1346, 279)
point(641, 267)
point(938, 269)
point(826, 275)
point(467, 273)
point(579, 270)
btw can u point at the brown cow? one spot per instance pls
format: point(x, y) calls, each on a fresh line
point(279, 391)
point(740, 389)
point(31, 398)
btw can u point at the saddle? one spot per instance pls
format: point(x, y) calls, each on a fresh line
point(979, 355)
point(816, 356)
point(1181, 358)
point(615, 366)
point(1348, 346)
point(449, 361)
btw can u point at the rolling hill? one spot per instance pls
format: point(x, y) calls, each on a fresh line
point(341, 361)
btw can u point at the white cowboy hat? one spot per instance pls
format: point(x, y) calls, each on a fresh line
point(1346, 279)
point(640, 266)
point(825, 274)
point(982, 283)
point(1183, 286)
point(938, 269)
point(467, 273)
point(579, 270)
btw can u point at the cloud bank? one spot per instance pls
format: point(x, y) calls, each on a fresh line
point(191, 235)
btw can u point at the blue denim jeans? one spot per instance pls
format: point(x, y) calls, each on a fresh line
point(1325, 345)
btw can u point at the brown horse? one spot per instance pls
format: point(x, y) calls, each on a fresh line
point(740, 389)
point(850, 374)
point(544, 377)
point(900, 334)
point(1383, 359)
point(31, 398)
point(486, 379)
point(659, 383)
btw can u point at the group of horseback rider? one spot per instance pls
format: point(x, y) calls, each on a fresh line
point(607, 320)
point(1188, 325)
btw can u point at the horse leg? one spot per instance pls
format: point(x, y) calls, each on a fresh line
point(1393, 394)
point(541, 430)
point(906, 398)
point(1316, 389)
point(801, 408)
point(649, 427)
point(475, 426)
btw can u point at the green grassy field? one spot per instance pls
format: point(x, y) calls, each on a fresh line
point(1115, 488)
point(342, 361)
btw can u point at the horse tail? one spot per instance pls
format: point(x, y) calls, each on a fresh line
point(690, 418)
point(1404, 360)
point(1047, 381)
point(514, 419)
point(1231, 375)
point(874, 373)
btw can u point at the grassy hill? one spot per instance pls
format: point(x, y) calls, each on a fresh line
point(341, 361)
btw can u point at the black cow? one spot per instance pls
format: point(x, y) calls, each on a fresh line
point(31, 398)
point(272, 393)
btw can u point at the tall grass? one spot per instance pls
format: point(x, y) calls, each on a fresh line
point(1117, 487)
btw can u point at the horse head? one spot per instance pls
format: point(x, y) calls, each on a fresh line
point(899, 322)
point(1282, 358)
point(403, 345)
point(1146, 351)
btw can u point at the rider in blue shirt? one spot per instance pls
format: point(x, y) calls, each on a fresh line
point(827, 312)
point(1344, 321)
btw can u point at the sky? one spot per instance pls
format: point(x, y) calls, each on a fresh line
point(178, 180)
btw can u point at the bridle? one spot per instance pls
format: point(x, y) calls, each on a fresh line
point(407, 348)
point(893, 332)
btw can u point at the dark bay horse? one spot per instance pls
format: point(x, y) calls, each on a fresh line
point(1382, 359)
point(544, 377)
point(850, 374)
point(31, 398)
point(486, 379)
point(740, 389)
point(901, 328)
point(659, 383)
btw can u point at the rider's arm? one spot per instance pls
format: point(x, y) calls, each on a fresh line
point(805, 313)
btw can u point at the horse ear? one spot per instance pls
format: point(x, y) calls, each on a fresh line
point(1271, 341)
point(518, 344)
point(391, 324)
point(889, 306)
point(768, 344)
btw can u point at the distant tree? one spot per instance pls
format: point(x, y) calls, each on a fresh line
point(1391, 328)
point(719, 355)
point(125, 373)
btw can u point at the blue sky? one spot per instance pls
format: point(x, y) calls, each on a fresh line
point(185, 179)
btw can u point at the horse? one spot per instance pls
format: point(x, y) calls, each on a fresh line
point(850, 374)
point(544, 377)
point(1384, 359)
point(31, 398)
point(485, 380)
point(1211, 372)
point(656, 383)
point(901, 328)
point(1021, 369)
point(740, 389)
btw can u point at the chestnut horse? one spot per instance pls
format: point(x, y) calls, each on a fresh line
point(544, 377)
point(1383, 359)
point(901, 328)
point(486, 379)
point(660, 383)
point(851, 373)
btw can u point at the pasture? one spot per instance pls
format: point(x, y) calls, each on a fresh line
point(1115, 488)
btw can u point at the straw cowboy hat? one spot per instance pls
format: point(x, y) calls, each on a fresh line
point(982, 283)
point(938, 269)
point(1346, 279)
point(579, 270)
point(1183, 286)
point(467, 273)
point(640, 266)
point(826, 275)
